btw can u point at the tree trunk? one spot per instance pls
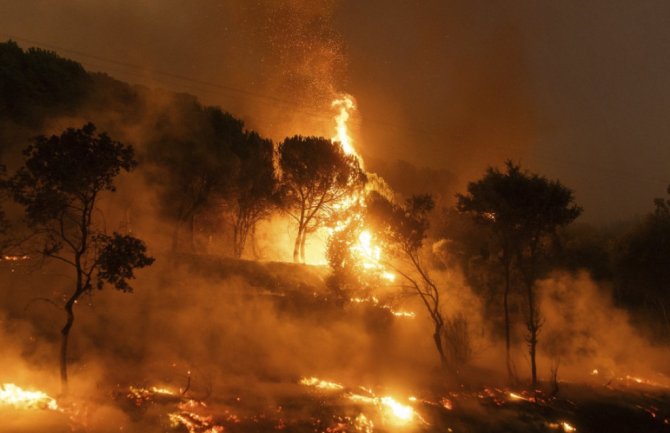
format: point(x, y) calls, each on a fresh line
point(175, 236)
point(65, 333)
point(296, 245)
point(238, 244)
point(508, 355)
point(533, 320)
point(661, 305)
point(192, 231)
point(437, 338)
point(302, 246)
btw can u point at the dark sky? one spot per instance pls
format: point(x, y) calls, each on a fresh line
point(578, 91)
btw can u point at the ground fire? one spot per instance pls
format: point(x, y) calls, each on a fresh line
point(326, 216)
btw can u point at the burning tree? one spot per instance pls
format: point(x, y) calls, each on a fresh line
point(522, 210)
point(59, 186)
point(317, 178)
point(405, 228)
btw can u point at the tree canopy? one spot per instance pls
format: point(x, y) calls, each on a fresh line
point(316, 177)
point(521, 209)
point(59, 185)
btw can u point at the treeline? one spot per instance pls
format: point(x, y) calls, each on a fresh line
point(213, 175)
point(630, 260)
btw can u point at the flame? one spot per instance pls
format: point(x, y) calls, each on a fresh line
point(567, 427)
point(344, 105)
point(402, 413)
point(9, 258)
point(369, 255)
point(17, 397)
point(363, 424)
point(375, 301)
point(515, 396)
point(320, 384)
point(391, 410)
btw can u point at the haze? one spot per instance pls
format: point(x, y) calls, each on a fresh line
point(575, 90)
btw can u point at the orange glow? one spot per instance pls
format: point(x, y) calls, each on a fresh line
point(567, 427)
point(344, 106)
point(19, 398)
point(400, 413)
point(320, 384)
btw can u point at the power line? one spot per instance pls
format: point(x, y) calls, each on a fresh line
point(297, 107)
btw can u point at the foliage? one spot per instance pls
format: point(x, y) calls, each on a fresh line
point(405, 229)
point(195, 167)
point(36, 82)
point(255, 188)
point(642, 265)
point(317, 176)
point(522, 210)
point(118, 259)
point(59, 186)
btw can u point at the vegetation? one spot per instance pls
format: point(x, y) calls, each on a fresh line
point(523, 211)
point(508, 230)
point(406, 228)
point(316, 177)
point(59, 187)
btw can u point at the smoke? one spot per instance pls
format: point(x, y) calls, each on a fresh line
point(586, 332)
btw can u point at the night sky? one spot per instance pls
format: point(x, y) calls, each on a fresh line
point(578, 91)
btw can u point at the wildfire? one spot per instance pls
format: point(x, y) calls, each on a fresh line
point(363, 424)
point(564, 425)
point(375, 301)
point(401, 412)
point(391, 410)
point(9, 258)
point(320, 384)
point(19, 398)
point(369, 255)
point(344, 105)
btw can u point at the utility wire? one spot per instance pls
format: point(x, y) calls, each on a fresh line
point(297, 107)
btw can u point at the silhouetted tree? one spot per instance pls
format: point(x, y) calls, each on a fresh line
point(255, 189)
point(36, 82)
point(405, 230)
point(4, 224)
point(316, 176)
point(197, 168)
point(522, 209)
point(643, 265)
point(59, 186)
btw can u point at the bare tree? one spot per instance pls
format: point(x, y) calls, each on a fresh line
point(405, 228)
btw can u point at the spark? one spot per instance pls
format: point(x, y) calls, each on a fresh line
point(363, 424)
